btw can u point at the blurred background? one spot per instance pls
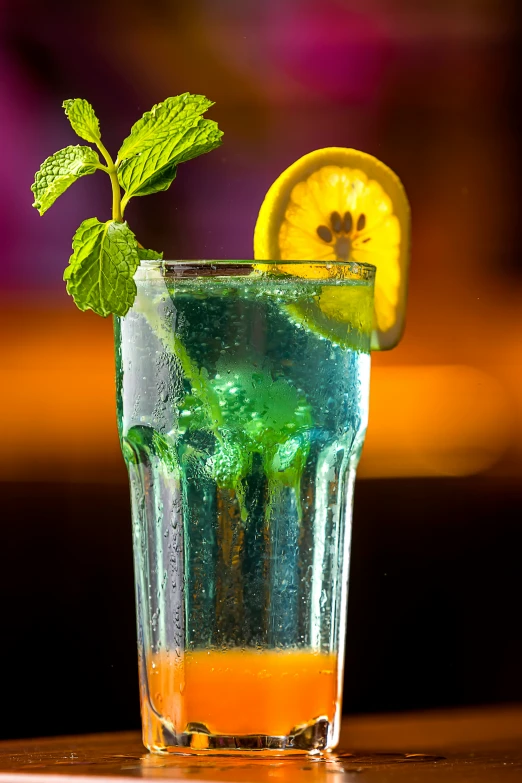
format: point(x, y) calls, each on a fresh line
point(429, 87)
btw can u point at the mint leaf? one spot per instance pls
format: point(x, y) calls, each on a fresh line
point(157, 182)
point(101, 269)
point(155, 168)
point(59, 171)
point(262, 416)
point(83, 119)
point(149, 255)
point(157, 124)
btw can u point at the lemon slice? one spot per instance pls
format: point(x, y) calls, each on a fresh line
point(339, 204)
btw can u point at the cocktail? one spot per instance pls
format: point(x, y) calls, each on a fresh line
point(241, 431)
point(242, 394)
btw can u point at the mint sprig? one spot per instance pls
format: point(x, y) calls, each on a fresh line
point(106, 255)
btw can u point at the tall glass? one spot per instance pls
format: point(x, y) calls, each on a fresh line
point(242, 405)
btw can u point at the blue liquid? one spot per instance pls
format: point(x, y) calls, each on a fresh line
point(241, 427)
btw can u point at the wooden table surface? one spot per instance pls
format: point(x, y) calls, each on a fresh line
point(458, 746)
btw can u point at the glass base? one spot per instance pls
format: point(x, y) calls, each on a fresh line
point(314, 737)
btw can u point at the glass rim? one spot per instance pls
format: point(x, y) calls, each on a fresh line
point(233, 267)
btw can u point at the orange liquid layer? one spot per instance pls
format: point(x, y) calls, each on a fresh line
point(242, 691)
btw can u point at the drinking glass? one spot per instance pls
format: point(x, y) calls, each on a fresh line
point(242, 396)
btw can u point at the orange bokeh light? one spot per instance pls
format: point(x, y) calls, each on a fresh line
point(434, 420)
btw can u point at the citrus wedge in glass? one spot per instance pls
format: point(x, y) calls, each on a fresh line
point(340, 205)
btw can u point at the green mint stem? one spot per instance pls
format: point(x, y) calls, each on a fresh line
point(169, 339)
point(112, 171)
point(117, 213)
